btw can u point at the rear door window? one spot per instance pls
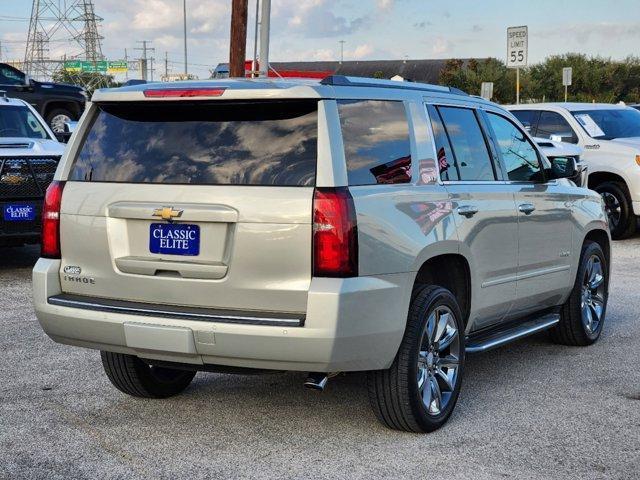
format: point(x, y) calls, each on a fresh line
point(376, 141)
point(468, 144)
point(202, 143)
point(447, 165)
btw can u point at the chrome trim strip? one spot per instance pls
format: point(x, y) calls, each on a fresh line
point(524, 276)
point(238, 319)
point(514, 335)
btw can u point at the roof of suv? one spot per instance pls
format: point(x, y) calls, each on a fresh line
point(272, 88)
point(573, 107)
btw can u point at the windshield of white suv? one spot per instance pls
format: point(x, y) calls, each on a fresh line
point(609, 124)
point(18, 121)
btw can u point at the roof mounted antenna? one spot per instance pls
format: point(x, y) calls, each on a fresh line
point(3, 94)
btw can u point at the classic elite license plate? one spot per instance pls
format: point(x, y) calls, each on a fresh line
point(174, 239)
point(23, 212)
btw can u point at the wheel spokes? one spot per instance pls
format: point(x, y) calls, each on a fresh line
point(436, 396)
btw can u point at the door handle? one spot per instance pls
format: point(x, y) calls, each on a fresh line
point(526, 208)
point(467, 210)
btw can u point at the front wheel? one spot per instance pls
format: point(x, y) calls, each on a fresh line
point(58, 117)
point(582, 316)
point(619, 210)
point(132, 376)
point(420, 389)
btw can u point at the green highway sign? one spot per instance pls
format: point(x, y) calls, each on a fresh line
point(101, 66)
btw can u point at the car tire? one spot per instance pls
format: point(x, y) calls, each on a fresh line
point(405, 397)
point(583, 314)
point(55, 119)
point(622, 221)
point(132, 376)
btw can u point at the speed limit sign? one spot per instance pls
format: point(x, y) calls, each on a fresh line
point(517, 47)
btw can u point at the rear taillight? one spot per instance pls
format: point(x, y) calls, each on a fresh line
point(335, 233)
point(183, 92)
point(50, 247)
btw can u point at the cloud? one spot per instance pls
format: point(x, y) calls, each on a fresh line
point(314, 19)
point(441, 46)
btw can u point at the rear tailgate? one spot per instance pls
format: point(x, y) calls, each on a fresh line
point(202, 204)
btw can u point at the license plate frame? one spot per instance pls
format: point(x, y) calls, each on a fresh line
point(19, 212)
point(182, 239)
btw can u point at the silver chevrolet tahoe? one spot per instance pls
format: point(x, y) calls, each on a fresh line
point(334, 226)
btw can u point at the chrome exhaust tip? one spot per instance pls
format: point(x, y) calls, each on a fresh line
point(316, 381)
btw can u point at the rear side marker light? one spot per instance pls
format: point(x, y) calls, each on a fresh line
point(50, 246)
point(183, 92)
point(335, 233)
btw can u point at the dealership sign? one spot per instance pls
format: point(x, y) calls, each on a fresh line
point(101, 66)
point(517, 47)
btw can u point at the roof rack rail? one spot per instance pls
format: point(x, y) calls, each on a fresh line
point(345, 81)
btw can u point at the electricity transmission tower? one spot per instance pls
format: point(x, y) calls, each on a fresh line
point(62, 30)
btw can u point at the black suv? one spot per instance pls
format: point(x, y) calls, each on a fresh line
point(55, 102)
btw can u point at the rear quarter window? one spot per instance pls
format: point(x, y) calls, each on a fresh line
point(201, 143)
point(376, 141)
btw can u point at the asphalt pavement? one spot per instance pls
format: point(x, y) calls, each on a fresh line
point(531, 410)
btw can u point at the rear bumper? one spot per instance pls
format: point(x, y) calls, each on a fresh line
point(350, 324)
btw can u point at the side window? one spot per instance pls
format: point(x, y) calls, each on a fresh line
point(9, 76)
point(446, 161)
point(468, 144)
point(519, 155)
point(376, 141)
point(528, 118)
point(552, 124)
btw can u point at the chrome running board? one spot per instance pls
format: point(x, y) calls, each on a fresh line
point(494, 339)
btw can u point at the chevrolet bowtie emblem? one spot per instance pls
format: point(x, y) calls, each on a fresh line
point(167, 213)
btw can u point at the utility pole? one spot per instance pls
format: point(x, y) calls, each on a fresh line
point(342, 42)
point(143, 61)
point(126, 60)
point(166, 66)
point(238, 46)
point(265, 30)
point(152, 69)
point(184, 13)
point(254, 65)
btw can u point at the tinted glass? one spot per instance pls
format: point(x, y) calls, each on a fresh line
point(376, 141)
point(205, 143)
point(467, 141)
point(16, 121)
point(446, 161)
point(610, 124)
point(552, 123)
point(528, 118)
point(518, 154)
point(9, 76)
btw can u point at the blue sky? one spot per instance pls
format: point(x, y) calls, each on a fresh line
point(372, 29)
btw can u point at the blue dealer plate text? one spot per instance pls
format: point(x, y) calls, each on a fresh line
point(174, 239)
point(23, 212)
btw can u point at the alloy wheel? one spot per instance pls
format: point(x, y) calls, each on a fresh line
point(593, 294)
point(58, 122)
point(438, 360)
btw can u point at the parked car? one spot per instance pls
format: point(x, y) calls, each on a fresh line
point(557, 151)
point(346, 225)
point(29, 155)
point(636, 106)
point(610, 137)
point(57, 103)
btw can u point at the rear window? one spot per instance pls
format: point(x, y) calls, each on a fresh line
point(201, 143)
point(376, 141)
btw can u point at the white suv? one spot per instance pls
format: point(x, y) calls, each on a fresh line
point(610, 137)
point(346, 225)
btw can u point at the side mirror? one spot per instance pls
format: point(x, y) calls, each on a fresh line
point(27, 81)
point(563, 167)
